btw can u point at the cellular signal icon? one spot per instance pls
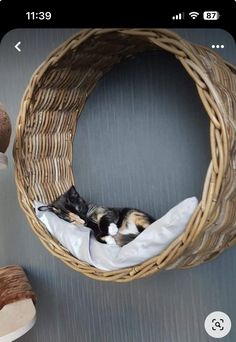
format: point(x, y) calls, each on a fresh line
point(179, 16)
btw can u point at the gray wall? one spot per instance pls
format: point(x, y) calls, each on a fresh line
point(142, 141)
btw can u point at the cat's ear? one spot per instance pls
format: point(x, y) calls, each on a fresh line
point(73, 192)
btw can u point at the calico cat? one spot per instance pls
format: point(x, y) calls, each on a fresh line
point(110, 225)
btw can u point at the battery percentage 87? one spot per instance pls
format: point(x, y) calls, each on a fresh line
point(211, 15)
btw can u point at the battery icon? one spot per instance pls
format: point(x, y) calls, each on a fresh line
point(211, 15)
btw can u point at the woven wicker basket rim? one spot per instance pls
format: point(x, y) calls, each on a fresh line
point(195, 60)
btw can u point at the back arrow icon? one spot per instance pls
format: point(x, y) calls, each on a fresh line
point(17, 46)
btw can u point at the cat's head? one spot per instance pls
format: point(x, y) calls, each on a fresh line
point(70, 201)
point(75, 203)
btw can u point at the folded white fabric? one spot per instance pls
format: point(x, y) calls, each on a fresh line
point(80, 241)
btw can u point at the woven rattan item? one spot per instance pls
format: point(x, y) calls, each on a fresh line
point(47, 122)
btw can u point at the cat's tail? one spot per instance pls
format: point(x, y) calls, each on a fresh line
point(123, 239)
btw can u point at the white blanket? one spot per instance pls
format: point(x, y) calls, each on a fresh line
point(80, 241)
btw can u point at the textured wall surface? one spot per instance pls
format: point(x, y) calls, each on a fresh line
point(142, 141)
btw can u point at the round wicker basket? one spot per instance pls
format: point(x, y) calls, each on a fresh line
point(47, 122)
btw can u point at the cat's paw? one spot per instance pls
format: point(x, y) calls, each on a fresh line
point(109, 240)
point(112, 229)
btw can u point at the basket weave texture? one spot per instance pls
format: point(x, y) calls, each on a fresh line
point(46, 125)
point(14, 285)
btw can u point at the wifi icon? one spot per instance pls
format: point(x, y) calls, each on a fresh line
point(194, 15)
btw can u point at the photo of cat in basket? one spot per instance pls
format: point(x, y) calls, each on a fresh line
point(115, 226)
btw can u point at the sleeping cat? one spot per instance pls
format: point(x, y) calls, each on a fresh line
point(110, 225)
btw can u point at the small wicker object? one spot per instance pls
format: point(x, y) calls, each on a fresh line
point(5, 135)
point(14, 285)
point(47, 121)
